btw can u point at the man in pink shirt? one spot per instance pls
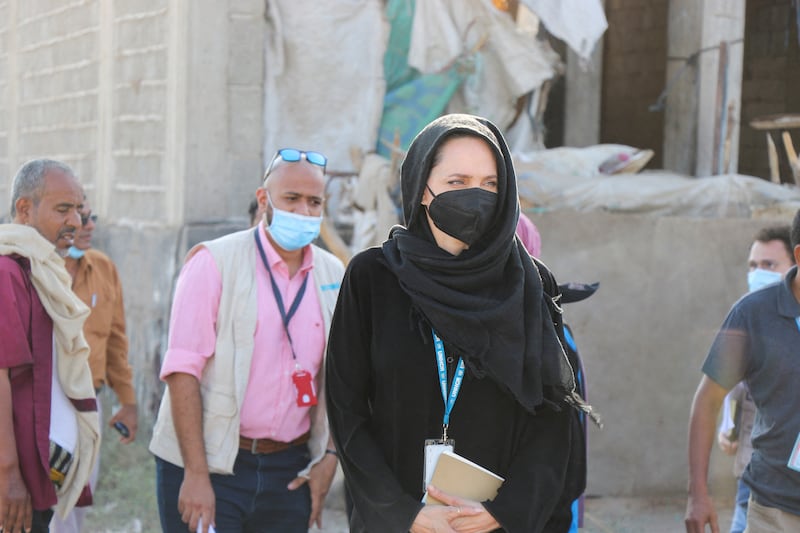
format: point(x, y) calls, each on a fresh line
point(241, 441)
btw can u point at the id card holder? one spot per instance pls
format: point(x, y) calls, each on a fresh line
point(433, 449)
point(794, 457)
point(304, 386)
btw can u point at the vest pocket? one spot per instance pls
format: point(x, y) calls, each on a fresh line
point(219, 418)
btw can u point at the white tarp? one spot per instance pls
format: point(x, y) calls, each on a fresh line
point(567, 178)
point(579, 23)
point(324, 84)
point(506, 61)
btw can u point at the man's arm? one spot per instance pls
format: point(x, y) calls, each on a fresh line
point(196, 499)
point(15, 502)
point(702, 428)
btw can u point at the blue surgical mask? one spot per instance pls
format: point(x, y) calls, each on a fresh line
point(291, 231)
point(760, 278)
point(75, 253)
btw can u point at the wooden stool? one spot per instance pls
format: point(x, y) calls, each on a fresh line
point(780, 124)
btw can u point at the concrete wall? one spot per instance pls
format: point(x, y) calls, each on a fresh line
point(666, 284)
point(704, 104)
point(157, 106)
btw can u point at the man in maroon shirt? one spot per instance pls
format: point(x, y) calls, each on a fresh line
point(47, 197)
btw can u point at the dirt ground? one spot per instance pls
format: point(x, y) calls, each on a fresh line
point(125, 501)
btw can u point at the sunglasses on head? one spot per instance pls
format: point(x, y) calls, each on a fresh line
point(291, 155)
point(86, 218)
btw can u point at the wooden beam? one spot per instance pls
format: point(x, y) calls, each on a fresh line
point(772, 156)
point(791, 155)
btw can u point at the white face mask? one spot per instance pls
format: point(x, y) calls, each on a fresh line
point(760, 278)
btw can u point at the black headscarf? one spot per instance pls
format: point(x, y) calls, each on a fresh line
point(487, 303)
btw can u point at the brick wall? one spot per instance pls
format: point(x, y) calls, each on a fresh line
point(84, 82)
point(138, 99)
point(771, 77)
point(5, 193)
point(634, 72)
point(158, 106)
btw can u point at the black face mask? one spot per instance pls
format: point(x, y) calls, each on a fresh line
point(464, 213)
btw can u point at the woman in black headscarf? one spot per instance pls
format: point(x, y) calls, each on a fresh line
point(456, 273)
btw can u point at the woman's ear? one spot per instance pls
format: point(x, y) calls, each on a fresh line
point(427, 196)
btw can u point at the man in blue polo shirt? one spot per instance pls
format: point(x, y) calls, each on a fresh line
point(760, 343)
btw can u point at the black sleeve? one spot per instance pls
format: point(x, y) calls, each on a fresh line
point(379, 501)
point(527, 501)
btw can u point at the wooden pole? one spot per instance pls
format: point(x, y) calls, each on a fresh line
point(721, 118)
point(791, 155)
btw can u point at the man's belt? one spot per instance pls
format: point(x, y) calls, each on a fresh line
point(264, 446)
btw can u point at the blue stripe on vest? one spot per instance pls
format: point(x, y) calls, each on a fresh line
point(330, 287)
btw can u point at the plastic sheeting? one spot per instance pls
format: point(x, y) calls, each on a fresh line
point(579, 23)
point(413, 99)
point(502, 61)
point(324, 83)
point(659, 193)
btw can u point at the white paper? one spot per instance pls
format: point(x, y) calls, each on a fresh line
point(200, 527)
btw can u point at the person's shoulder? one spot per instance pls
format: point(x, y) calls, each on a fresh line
point(245, 235)
point(96, 257)
point(14, 272)
point(101, 264)
point(321, 254)
point(757, 299)
point(13, 264)
point(367, 259)
point(225, 245)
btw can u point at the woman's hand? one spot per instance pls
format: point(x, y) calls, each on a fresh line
point(437, 518)
point(469, 517)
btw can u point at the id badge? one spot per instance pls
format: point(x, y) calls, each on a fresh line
point(794, 457)
point(304, 385)
point(433, 449)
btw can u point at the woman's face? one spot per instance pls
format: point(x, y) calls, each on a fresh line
point(462, 163)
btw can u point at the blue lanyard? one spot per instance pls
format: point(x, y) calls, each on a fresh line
point(448, 399)
point(286, 317)
point(798, 323)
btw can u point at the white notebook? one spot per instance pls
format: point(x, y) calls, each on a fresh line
point(461, 477)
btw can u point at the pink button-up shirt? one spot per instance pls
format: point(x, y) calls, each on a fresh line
point(270, 402)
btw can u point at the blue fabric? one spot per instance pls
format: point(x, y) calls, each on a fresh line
point(573, 527)
point(410, 107)
point(739, 522)
point(400, 14)
point(254, 499)
point(577, 508)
